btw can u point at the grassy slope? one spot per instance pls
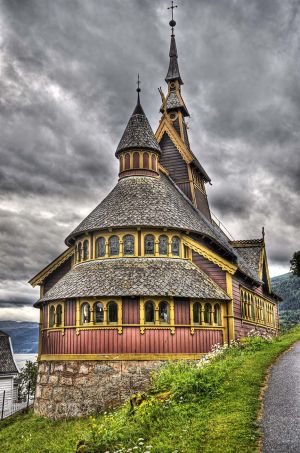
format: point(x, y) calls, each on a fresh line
point(288, 287)
point(189, 410)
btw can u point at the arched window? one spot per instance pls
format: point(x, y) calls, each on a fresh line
point(217, 314)
point(98, 312)
point(86, 250)
point(112, 312)
point(197, 313)
point(207, 313)
point(175, 245)
point(149, 312)
point(153, 162)
point(100, 247)
point(59, 315)
point(128, 244)
point(163, 312)
point(145, 160)
point(52, 316)
point(85, 313)
point(114, 246)
point(79, 251)
point(163, 245)
point(127, 161)
point(136, 160)
point(149, 244)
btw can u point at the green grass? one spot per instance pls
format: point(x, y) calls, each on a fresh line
point(188, 410)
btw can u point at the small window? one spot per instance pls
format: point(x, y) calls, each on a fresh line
point(163, 312)
point(149, 244)
point(207, 313)
point(175, 245)
point(86, 250)
point(163, 245)
point(145, 160)
point(112, 312)
point(197, 313)
point(129, 244)
point(114, 246)
point(217, 314)
point(79, 251)
point(136, 160)
point(98, 312)
point(52, 316)
point(149, 312)
point(59, 315)
point(127, 161)
point(153, 162)
point(100, 247)
point(85, 313)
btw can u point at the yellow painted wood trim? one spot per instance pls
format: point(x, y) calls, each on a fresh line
point(210, 255)
point(44, 273)
point(166, 126)
point(118, 357)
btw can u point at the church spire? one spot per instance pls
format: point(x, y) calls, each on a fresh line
point(173, 71)
point(138, 150)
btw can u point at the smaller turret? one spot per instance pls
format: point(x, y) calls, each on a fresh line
point(138, 150)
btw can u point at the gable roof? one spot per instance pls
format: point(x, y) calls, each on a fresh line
point(7, 362)
point(56, 263)
point(135, 276)
point(250, 250)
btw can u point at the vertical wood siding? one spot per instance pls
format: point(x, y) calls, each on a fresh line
point(182, 311)
point(45, 315)
point(70, 313)
point(131, 311)
point(57, 275)
point(211, 269)
point(202, 203)
point(130, 341)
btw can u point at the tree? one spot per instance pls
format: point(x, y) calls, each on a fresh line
point(27, 378)
point(295, 264)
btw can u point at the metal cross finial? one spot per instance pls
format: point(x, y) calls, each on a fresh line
point(172, 22)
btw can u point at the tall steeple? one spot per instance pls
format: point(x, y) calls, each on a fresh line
point(172, 134)
point(138, 150)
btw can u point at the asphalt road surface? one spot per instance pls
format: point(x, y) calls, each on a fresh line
point(281, 415)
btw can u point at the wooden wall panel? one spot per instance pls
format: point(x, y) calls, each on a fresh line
point(70, 313)
point(182, 311)
point(57, 275)
point(45, 316)
point(131, 341)
point(131, 311)
point(211, 269)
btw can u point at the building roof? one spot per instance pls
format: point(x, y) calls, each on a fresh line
point(138, 133)
point(136, 276)
point(7, 363)
point(250, 251)
point(173, 70)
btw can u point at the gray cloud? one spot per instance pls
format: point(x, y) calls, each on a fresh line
point(68, 72)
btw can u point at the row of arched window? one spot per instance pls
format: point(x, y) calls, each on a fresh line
point(128, 242)
point(138, 160)
point(94, 313)
point(256, 309)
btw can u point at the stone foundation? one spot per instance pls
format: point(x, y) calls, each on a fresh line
point(80, 388)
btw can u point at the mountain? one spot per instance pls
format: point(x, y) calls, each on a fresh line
point(24, 335)
point(288, 287)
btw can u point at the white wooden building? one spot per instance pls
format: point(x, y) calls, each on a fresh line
point(8, 373)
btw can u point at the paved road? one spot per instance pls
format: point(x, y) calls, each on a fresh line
point(281, 417)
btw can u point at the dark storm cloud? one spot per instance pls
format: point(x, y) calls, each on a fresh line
point(68, 74)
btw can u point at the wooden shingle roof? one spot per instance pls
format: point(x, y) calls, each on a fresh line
point(7, 363)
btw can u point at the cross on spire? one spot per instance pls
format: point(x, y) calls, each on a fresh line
point(172, 22)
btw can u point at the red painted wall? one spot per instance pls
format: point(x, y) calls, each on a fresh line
point(131, 311)
point(182, 311)
point(130, 341)
point(211, 269)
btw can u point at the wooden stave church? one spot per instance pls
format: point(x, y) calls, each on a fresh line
point(148, 276)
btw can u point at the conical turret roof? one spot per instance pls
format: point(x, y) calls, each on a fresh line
point(138, 132)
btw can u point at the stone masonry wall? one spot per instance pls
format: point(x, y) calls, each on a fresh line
point(80, 388)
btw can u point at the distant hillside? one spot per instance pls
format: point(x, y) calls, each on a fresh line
point(24, 335)
point(288, 287)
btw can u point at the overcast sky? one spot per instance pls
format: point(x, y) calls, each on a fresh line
point(68, 72)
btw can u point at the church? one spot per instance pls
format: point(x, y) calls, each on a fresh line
point(148, 276)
